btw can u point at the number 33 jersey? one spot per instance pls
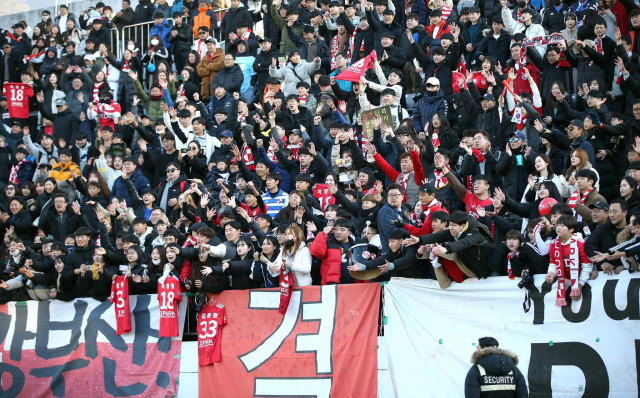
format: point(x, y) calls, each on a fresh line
point(210, 322)
point(169, 296)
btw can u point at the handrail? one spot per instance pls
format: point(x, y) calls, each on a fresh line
point(129, 29)
point(115, 47)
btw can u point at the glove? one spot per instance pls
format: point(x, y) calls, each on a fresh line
point(594, 118)
point(398, 223)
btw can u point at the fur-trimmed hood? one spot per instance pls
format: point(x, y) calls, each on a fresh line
point(483, 353)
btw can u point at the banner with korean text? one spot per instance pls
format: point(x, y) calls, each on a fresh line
point(324, 346)
point(590, 348)
point(56, 349)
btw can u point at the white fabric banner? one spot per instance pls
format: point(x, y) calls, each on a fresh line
point(586, 349)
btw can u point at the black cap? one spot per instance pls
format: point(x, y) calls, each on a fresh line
point(602, 205)
point(296, 132)
point(197, 226)
point(272, 80)
point(428, 188)
point(18, 25)
point(263, 39)
point(577, 122)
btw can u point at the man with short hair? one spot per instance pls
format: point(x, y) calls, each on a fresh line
point(235, 15)
point(331, 246)
point(129, 170)
point(526, 26)
point(171, 187)
point(125, 16)
point(600, 245)
point(585, 195)
point(65, 169)
point(180, 40)
point(496, 43)
point(575, 139)
point(308, 162)
point(231, 76)
point(60, 220)
point(63, 16)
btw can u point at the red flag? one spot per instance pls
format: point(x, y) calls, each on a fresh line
point(354, 72)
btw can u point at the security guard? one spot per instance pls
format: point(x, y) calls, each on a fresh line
point(494, 373)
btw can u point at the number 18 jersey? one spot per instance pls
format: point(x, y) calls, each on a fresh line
point(210, 322)
point(169, 295)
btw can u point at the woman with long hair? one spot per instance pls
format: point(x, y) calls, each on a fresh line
point(551, 116)
point(296, 256)
point(267, 264)
point(44, 200)
point(187, 86)
point(19, 218)
point(630, 194)
point(100, 85)
point(109, 167)
point(541, 170)
point(547, 189)
point(194, 162)
point(297, 211)
point(205, 276)
point(35, 63)
point(73, 33)
point(441, 133)
point(579, 160)
point(56, 35)
point(241, 266)
point(50, 87)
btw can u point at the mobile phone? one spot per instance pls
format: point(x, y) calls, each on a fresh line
point(179, 77)
point(184, 150)
point(124, 268)
point(282, 59)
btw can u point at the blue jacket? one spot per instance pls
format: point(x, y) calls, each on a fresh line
point(139, 181)
point(276, 168)
point(490, 46)
point(231, 77)
point(386, 216)
point(162, 30)
point(26, 172)
point(427, 107)
point(177, 7)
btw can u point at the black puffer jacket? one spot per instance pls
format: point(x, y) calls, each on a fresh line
point(499, 363)
point(471, 246)
point(79, 256)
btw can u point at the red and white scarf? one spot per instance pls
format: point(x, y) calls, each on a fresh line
point(509, 270)
point(599, 47)
point(125, 66)
point(13, 176)
point(352, 43)
point(37, 58)
point(286, 289)
point(435, 140)
point(294, 150)
point(403, 179)
point(480, 158)
point(573, 201)
point(441, 180)
point(538, 41)
point(335, 48)
point(426, 210)
point(574, 268)
point(96, 90)
point(247, 156)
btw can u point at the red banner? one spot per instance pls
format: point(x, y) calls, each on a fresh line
point(324, 346)
point(354, 72)
point(53, 348)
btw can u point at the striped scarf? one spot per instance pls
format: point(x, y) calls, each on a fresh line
point(13, 176)
point(96, 90)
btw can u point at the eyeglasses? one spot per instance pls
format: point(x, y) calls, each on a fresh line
point(171, 170)
point(636, 109)
point(201, 33)
point(394, 195)
point(10, 188)
point(514, 139)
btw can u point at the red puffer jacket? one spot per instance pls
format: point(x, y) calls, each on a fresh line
point(328, 250)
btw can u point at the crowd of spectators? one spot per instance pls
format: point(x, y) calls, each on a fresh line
point(232, 159)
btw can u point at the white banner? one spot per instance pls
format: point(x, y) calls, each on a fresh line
point(587, 349)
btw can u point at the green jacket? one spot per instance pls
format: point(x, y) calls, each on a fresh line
point(154, 108)
point(286, 43)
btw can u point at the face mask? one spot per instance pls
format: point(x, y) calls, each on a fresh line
point(347, 165)
point(371, 160)
point(557, 2)
point(131, 47)
point(15, 253)
point(45, 17)
point(431, 93)
point(155, 262)
point(154, 42)
point(288, 243)
point(522, 4)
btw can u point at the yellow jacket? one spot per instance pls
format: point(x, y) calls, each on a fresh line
point(63, 173)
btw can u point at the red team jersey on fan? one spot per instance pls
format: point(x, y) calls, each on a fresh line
point(210, 323)
point(169, 296)
point(120, 295)
point(18, 95)
point(323, 194)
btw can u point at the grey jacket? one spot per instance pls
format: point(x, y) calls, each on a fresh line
point(286, 74)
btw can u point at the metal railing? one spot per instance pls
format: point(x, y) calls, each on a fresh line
point(116, 48)
point(139, 33)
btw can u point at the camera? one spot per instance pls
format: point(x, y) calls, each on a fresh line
point(526, 280)
point(9, 270)
point(200, 299)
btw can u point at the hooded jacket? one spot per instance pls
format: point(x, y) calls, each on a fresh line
point(326, 248)
point(496, 362)
point(208, 68)
point(233, 17)
point(144, 12)
point(427, 107)
point(498, 48)
point(139, 181)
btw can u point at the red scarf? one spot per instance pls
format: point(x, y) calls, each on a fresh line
point(247, 156)
point(294, 150)
point(48, 130)
point(480, 158)
point(509, 270)
point(286, 289)
point(441, 180)
point(126, 67)
point(13, 176)
point(558, 258)
point(573, 201)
